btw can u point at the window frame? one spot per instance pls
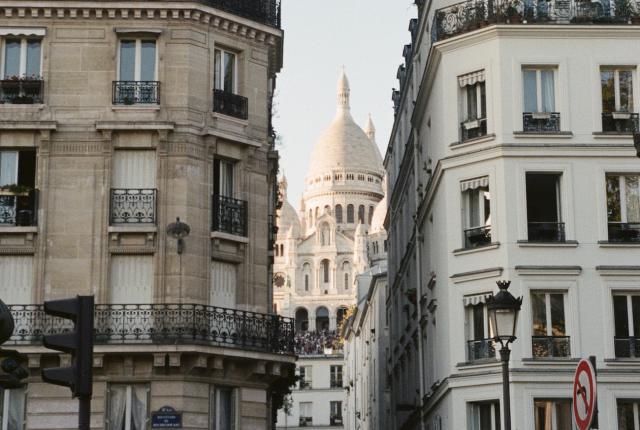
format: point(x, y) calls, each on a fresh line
point(219, 73)
point(554, 402)
point(6, 405)
point(616, 86)
point(635, 403)
point(480, 108)
point(137, 66)
point(214, 406)
point(622, 196)
point(474, 408)
point(538, 71)
point(22, 66)
point(548, 317)
point(128, 404)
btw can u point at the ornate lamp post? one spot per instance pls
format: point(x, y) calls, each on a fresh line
point(503, 311)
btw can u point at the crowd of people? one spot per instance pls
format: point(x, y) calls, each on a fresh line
point(317, 342)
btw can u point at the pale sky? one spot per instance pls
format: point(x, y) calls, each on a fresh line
point(367, 37)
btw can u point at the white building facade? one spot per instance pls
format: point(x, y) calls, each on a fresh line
point(512, 158)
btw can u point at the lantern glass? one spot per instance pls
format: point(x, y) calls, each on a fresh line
point(503, 322)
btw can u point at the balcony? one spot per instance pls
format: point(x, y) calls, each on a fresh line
point(467, 16)
point(472, 129)
point(619, 122)
point(306, 421)
point(477, 237)
point(627, 347)
point(229, 215)
point(133, 206)
point(19, 209)
point(481, 349)
point(136, 92)
point(546, 232)
point(230, 104)
point(622, 232)
point(164, 324)
point(541, 122)
point(551, 346)
point(23, 91)
point(264, 11)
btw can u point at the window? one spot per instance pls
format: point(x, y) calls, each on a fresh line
point(335, 413)
point(479, 343)
point(222, 292)
point(346, 281)
point(617, 89)
point(22, 57)
point(371, 209)
point(128, 407)
point(539, 90)
point(132, 279)
point(484, 415)
point(623, 208)
point(476, 204)
point(336, 376)
point(12, 408)
point(325, 270)
point(543, 208)
point(628, 414)
point(223, 408)
point(310, 216)
point(306, 417)
point(223, 177)
point(346, 268)
point(306, 269)
point(549, 327)
point(133, 187)
point(473, 101)
point(553, 414)
point(350, 214)
point(626, 316)
point(361, 214)
point(224, 71)
point(18, 205)
point(338, 214)
point(302, 320)
point(137, 60)
point(17, 274)
point(305, 377)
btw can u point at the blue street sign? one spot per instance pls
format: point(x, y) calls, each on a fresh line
point(166, 418)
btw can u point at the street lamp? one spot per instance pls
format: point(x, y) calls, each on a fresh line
point(503, 311)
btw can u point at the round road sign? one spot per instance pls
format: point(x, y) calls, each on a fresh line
point(584, 394)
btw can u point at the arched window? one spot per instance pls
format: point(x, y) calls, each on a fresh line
point(346, 268)
point(302, 320)
point(340, 313)
point(350, 213)
point(322, 319)
point(361, 214)
point(327, 209)
point(338, 213)
point(371, 209)
point(346, 281)
point(306, 270)
point(306, 282)
point(325, 270)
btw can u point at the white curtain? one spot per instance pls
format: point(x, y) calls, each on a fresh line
point(134, 169)
point(548, 91)
point(530, 90)
point(131, 279)
point(226, 179)
point(139, 397)
point(633, 198)
point(16, 408)
point(117, 406)
point(223, 284)
point(17, 279)
point(8, 167)
point(225, 409)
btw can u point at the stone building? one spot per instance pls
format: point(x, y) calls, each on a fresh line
point(116, 119)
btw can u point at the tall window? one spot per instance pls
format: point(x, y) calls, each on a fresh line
point(224, 71)
point(335, 413)
point(12, 408)
point(350, 214)
point(626, 315)
point(473, 102)
point(346, 268)
point(133, 183)
point(623, 207)
point(336, 376)
point(17, 272)
point(339, 214)
point(305, 377)
point(628, 414)
point(484, 415)
point(543, 208)
point(476, 204)
point(18, 168)
point(553, 414)
point(223, 182)
point(539, 90)
point(22, 58)
point(549, 326)
point(306, 414)
point(131, 279)
point(222, 292)
point(617, 89)
point(371, 209)
point(306, 270)
point(479, 344)
point(361, 214)
point(325, 271)
point(128, 407)
point(137, 60)
point(223, 408)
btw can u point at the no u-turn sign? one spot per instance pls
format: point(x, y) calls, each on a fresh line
point(584, 395)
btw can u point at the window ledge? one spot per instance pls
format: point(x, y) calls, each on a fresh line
point(488, 247)
point(141, 228)
point(136, 107)
point(217, 115)
point(611, 135)
point(622, 361)
point(475, 141)
point(479, 364)
point(227, 236)
point(607, 244)
point(554, 135)
point(550, 361)
point(565, 244)
point(33, 106)
point(17, 230)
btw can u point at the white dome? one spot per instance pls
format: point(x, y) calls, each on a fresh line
point(287, 215)
point(379, 214)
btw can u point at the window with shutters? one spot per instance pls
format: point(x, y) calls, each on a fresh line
point(223, 284)
point(223, 408)
point(133, 187)
point(131, 279)
point(128, 407)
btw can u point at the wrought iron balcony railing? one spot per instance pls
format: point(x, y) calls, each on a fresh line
point(136, 92)
point(265, 11)
point(536, 122)
point(549, 232)
point(481, 349)
point(21, 91)
point(19, 209)
point(165, 324)
point(472, 129)
point(551, 346)
point(477, 237)
point(624, 232)
point(229, 215)
point(133, 206)
point(470, 15)
point(230, 104)
point(627, 347)
point(619, 122)
point(335, 420)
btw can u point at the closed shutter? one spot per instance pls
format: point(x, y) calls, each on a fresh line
point(131, 279)
point(16, 273)
point(223, 284)
point(134, 169)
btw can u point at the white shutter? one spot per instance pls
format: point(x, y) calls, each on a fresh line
point(131, 279)
point(223, 285)
point(16, 273)
point(134, 169)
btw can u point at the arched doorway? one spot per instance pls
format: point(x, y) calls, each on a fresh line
point(302, 320)
point(322, 319)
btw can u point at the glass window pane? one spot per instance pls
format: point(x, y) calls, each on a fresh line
point(632, 194)
point(548, 91)
point(8, 167)
point(472, 102)
point(608, 91)
point(148, 60)
point(530, 91)
point(217, 69)
point(614, 213)
point(620, 315)
point(557, 315)
point(635, 313)
point(539, 311)
point(33, 58)
point(127, 60)
point(483, 100)
point(564, 418)
point(626, 90)
point(473, 210)
point(478, 322)
point(229, 72)
point(625, 416)
point(11, 58)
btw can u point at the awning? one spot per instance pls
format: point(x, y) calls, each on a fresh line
point(23, 31)
point(473, 184)
point(471, 78)
point(475, 299)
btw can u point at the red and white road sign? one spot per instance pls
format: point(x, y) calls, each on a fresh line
point(584, 394)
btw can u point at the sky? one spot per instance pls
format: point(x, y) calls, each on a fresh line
point(322, 36)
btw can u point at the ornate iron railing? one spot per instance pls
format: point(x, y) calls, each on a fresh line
point(624, 232)
point(534, 122)
point(620, 122)
point(19, 209)
point(133, 206)
point(551, 346)
point(477, 237)
point(546, 232)
point(165, 324)
point(470, 15)
point(229, 215)
point(230, 104)
point(481, 349)
point(136, 92)
point(264, 11)
point(21, 91)
point(472, 129)
point(627, 347)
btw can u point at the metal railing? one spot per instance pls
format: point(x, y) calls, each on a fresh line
point(551, 346)
point(472, 129)
point(627, 347)
point(21, 91)
point(624, 232)
point(534, 122)
point(482, 349)
point(136, 92)
point(546, 232)
point(471, 15)
point(133, 206)
point(477, 237)
point(265, 11)
point(19, 209)
point(229, 215)
point(230, 104)
point(619, 122)
point(164, 324)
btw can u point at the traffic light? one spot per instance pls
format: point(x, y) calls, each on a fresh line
point(79, 343)
point(14, 373)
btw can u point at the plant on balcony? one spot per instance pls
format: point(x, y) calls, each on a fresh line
point(15, 190)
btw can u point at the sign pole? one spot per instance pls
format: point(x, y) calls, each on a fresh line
point(594, 423)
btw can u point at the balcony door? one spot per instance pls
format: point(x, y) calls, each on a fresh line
point(223, 284)
point(133, 183)
point(17, 280)
point(137, 60)
point(223, 181)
